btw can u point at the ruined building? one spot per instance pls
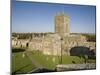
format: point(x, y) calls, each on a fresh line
point(56, 43)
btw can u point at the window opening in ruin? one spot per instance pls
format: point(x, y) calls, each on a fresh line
point(27, 44)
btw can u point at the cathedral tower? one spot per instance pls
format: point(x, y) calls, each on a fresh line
point(62, 25)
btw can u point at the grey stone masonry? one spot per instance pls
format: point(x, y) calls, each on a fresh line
point(75, 67)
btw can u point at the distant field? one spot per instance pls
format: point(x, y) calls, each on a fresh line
point(90, 37)
point(22, 64)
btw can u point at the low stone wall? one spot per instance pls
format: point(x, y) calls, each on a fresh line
point(76, 67)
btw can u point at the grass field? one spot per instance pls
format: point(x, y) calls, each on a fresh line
point(22, 64)
point(50, 61)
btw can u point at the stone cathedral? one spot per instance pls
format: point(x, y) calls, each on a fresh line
point(57, 43)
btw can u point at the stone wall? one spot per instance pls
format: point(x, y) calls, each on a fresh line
point(76, 67)
point(51, 44)
point(19, 43)
point(72, 41)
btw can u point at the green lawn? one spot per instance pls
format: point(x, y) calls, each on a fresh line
point(22, 64)
point(50, 61)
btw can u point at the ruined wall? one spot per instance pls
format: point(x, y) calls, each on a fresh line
point(51, 44)
point(19, 43)
point(77, 41)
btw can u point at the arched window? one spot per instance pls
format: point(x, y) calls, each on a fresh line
point(27, 44)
